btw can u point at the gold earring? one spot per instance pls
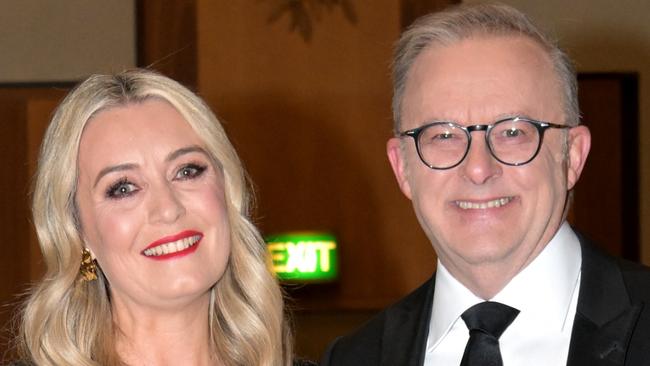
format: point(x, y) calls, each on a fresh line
point(88, 268)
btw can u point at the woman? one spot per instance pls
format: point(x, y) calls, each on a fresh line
point(141, 209)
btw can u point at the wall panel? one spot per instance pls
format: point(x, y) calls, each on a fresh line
point(310, 120)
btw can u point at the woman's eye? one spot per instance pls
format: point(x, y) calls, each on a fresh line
point(121, 189)
point(190, 171)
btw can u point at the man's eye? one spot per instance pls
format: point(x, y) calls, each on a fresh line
point(190, 171)
point(121, 189)
point(513, 132)
point(444, 137)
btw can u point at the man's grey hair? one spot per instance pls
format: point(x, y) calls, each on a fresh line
point(461, 22)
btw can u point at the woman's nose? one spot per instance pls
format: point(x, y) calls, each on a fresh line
point(165, 204)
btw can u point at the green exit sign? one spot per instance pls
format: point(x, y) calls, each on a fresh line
point(303, 256)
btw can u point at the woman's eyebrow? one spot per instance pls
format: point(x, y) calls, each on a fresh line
point(186, 150)
point(113, 168)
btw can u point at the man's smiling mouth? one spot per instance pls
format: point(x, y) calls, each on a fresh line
point(498, 202)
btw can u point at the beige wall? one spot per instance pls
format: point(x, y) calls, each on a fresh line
point(606, 36)
point(65, 40)
point(310, 120)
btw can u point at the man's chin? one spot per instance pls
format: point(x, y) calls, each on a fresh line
point(481, 253)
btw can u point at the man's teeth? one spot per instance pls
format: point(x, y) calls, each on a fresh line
point(483, 205)
point(173, 247)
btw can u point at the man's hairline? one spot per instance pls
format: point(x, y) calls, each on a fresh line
point(477, 34)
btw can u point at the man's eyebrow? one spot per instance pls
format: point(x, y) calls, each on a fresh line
point(186, 150)
point(113, 168)
point(516, 113)
point(511, 114)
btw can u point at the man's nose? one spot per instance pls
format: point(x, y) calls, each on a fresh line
point(480, 166)
point(165, 205)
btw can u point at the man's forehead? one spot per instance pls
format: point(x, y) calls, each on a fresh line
point(500, 74)
point(480, 51)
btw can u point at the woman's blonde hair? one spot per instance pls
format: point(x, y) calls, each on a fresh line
point(67, 321)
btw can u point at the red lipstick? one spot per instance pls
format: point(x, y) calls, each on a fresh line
point(173, 246)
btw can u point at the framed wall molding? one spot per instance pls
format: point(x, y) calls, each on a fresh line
point(53, 42)
point(606, 201)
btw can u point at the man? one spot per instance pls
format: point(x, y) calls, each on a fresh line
point(487, 147)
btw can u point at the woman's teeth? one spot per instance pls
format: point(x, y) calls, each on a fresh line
point(173, 247)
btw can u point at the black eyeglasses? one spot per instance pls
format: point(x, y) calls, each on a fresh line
point(512, 141)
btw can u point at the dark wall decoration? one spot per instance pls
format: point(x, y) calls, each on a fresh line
point(303, 14)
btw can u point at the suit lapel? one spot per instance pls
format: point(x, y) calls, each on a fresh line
point(406, 329)
point(605, 318)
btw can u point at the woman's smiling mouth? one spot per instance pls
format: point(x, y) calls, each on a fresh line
point(177, 245)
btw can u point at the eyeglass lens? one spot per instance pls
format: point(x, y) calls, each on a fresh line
point(444, 145)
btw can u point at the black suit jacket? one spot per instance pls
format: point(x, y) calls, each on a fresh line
point(611, 327)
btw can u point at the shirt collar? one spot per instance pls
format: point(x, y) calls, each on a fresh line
point(542, 291)
point(450, 300)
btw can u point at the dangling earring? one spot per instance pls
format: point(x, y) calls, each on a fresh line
point(88, 268)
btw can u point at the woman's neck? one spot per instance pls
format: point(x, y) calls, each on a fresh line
point(155, 337)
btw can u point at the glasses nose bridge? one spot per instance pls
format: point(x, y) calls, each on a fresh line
point(473, 128)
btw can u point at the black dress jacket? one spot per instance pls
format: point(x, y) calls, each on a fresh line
point(611, 327)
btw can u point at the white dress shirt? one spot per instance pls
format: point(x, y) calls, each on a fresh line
point(545, 293)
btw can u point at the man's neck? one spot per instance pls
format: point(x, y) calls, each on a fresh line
point(488, 278)
point(484, 281)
